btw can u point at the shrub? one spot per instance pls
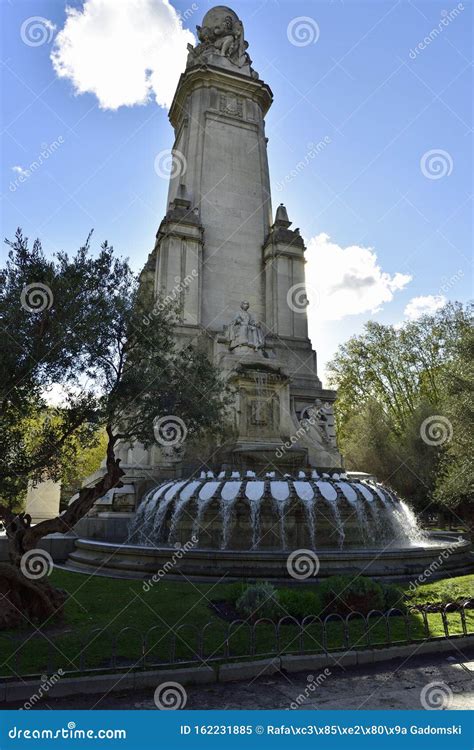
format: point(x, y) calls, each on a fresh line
point(393, 597)
point(259, 600)
point(234, 591)
point(344, 594)
point(299, 603)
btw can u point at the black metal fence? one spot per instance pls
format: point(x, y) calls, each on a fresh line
point(185, 644)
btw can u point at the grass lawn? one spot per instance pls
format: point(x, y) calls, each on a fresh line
point(102, 611)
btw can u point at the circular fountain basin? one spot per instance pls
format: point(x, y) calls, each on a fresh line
point(446, 553)
point(234, 527)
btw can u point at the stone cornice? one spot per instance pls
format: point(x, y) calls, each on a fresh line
point(207, 76)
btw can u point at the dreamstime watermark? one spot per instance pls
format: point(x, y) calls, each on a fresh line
point(46, 684)
point(452, 281)
point(170, 163)
point(314, 149)
point(36, 563)
point(172, 296)
point(177, 555)
point(447, 17)
point(24, 174)
point(169, 431)
point(170, 696)
point(185, 15)
point(433, 567)
point(297, 297)
point(436, 696)
point(71, 732)
point(436, 430)
point(36, 31)
point(436, 164)
point(303, 429)
point(313, 684)
point(302, 31)
point(302, 564)
point(36, 297)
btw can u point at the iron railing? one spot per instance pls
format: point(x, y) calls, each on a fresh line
point(215, 642)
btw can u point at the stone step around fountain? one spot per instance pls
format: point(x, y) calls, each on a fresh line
point(131, 561)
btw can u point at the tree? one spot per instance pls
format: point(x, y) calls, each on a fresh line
point(455, 480)
point(80, 330)
point(390, 381)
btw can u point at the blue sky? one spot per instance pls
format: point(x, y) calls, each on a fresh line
point(391, 186)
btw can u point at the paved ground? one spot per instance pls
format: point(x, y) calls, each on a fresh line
point(393, 685)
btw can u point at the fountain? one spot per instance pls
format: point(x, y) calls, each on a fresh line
point(279, 484)
point(244, 514)
point(246, 526)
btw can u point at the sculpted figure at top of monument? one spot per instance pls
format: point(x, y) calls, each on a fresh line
point(244, 330)
point(221, 34)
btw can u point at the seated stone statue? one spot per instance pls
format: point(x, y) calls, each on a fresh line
point(244, 330)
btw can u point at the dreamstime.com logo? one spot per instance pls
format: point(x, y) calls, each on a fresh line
point(177, 555)
point(313, 684)
point(436, 696)
point(185, 15)
point(303, 429)
point(436, 164)
point(302, 31)
point(170, 431)
point(70, 732)
point(297, 298)
point(170, 696)
point(170, 163)
point(436, 430)
point(314, 149)
point(36, 31)
point(175, 294)
point(36, 563)
point(46, 684)
point(36, 297)
point(447, 16)
point(452, 281)
point(434, 566)
point(302, 564)
point(23, 174)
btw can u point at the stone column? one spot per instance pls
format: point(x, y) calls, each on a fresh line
point(221, 156)
point(284, 279)
point(178, 264)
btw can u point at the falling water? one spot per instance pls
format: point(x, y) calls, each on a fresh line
point(379, 528)
point(306, 495)
point(280, 493)
point(142, 522)
point(362, 519)
point(254, 493)
point(180, 507)
point(160, 516)
point(330, 495)
point(382, 519)
point(229, 494)
point(205, 496)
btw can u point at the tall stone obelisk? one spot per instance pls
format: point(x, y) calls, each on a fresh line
point(239, 273)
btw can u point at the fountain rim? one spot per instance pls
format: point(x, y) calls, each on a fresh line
point(115, 560)
point(450, 537)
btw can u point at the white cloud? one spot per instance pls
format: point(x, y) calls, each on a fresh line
point(347, 280)
point(20, 171)
point(427, 305)
point(123, 52)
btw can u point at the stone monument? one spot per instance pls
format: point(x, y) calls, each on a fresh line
point(276, 485)
point(238, 269)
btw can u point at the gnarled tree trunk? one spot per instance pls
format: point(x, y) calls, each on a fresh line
point(23, 596)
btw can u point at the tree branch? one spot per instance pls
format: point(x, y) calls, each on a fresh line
point(87, 497)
